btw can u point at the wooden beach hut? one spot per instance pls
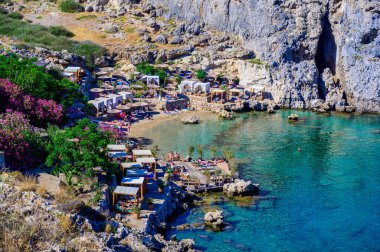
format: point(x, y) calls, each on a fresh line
point(130, 194)
point(140, 154)
point(132, 165)
point(139, 182)
point(152, 164)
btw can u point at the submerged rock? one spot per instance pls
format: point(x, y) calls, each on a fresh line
point(293, 117)
point(240, 187)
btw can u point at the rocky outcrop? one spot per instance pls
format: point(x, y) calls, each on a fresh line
point(298, 40)
point(214, 219)
point(240, 187)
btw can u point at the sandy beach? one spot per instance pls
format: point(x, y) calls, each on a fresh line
point(140, 128)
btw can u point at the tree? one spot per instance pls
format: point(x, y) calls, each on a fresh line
point(178, 79)
point(227, 153)
point(213, 150)
point(154, 150)
point(34, 80)
point(21, 142)
point(200, 151)
point(78, 149)
point(200, 74)
point(190, 150)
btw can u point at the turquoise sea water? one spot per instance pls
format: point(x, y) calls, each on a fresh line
point(325, 197)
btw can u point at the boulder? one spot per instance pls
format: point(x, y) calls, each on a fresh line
point(226, 115)
point(161, 39)
point(240, 187)
point(190, 120)
point(73, 206)
point(214, 219)
point(89, 8)
point(176, 40)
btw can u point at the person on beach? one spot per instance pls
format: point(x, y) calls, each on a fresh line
point(129, 127)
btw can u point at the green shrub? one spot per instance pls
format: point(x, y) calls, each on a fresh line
point(60, 31)
point(54, 38)
point(90, 51)
point(70, 6)
point(200, 74)
point(15, 15)
point(86, 17)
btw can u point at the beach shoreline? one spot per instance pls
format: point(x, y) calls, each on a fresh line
point(142, 127)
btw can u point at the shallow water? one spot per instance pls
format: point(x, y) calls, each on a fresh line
point(324, 197)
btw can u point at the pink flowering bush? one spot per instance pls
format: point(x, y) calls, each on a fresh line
point(21, 143)
point(40, 112)
point(112, 132)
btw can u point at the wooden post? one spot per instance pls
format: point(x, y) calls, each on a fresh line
point(155, 168)
point(113, 202)
point(142, 191)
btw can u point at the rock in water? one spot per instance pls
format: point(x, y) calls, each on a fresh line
point(190, 120)
point(293, 117)
point(214, 219)
point(240, 187)
point(226, 115)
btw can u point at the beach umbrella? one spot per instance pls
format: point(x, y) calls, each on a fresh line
point(113, 111)
point(153, 86)
point(101, 73)
point(140, 104)
point(137, 87)
point(97, 90)
point(124, 107)
point(120, 87)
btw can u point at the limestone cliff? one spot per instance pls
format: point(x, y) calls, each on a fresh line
point(318, 51)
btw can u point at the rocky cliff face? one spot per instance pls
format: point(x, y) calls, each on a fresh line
point(320, 51)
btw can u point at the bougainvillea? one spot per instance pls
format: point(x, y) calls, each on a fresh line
point(39, 111)
point(19, 140)
point(112, 132)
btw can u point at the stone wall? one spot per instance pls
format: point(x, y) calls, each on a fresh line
point(176, 104)
point(202, 103)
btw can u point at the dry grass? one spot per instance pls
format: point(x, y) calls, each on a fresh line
point(42, 191)
point(28, 184)
point(63, 195)
point(66, 224)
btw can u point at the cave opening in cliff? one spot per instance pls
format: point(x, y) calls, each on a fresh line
point(326, 51)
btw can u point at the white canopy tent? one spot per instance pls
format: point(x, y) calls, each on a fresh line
point(126, 95)
point(202, 87)
point(151, 79)
point(107, 101)
point(116, 98)
point(186, 86)
point(97, 104)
